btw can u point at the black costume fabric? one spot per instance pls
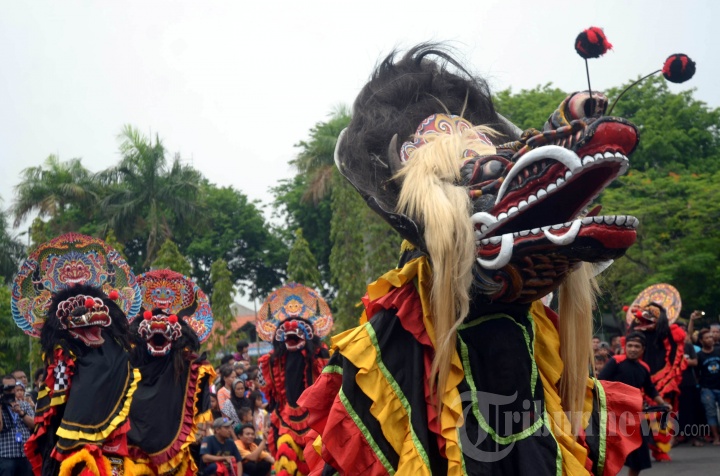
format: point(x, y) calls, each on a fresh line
point(102, 372)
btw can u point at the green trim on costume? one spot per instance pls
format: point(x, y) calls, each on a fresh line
point(558, 455)
point(503, 440)
point(398, 393)
point(526, 335)
point(365, 432)
point(462, 452)
point(603, 426)
point(530, 345)
point(334, 369)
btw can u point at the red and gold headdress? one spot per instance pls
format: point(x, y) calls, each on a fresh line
point(293, 301)
point(69, 260)
point(177, 295)
point(662, 295)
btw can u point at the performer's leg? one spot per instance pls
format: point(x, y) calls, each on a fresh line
point(709, 401)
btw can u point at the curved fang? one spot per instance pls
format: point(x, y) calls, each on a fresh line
point(560, 154)
point(503, 257)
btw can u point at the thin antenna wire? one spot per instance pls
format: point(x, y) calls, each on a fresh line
point(587, 72)
point(628, 88)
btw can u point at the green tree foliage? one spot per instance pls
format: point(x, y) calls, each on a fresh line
point(233, 229)
point(678, 238)
point(113, 242)
point(677, 132)
point(148, 198)
point(529, 108)
point(12, 251)
point(302, 266)
point(347, 258)
point(313, 219)
point(671, 188)
point(17, 350)
point(358, 246)
point(52, 189)
point(169, 257)
point(305, 201)
point(221, 301)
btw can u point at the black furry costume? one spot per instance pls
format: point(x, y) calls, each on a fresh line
point(86, 395)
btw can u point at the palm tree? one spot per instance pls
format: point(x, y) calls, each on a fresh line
point(11, 251)
point(317, 158)
point(146, 195)
point(50, 188)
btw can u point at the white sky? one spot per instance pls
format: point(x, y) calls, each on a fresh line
point(233, 85)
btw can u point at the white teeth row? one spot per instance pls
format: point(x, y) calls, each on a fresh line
point(612, 156)
point(489, 222)
point(560, 154)
point(620, 220)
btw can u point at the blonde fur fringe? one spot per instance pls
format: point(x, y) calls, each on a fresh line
point(577, 297)
point(430, 195)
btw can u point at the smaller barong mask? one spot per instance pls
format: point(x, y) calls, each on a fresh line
point(293, 315)
point(167, 297)
point(646, 309)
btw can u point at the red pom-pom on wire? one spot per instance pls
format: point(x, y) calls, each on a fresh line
point(626, 308)
point(89, 303)
point(114, 294)
point(147, 315)
point(173, 319)
point(592, 43)
point(678, 68)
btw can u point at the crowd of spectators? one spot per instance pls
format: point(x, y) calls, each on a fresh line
point(236, 440)
point(699, 398)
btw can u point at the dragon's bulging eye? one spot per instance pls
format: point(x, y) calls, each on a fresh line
point(492, 169)
point(580, 105)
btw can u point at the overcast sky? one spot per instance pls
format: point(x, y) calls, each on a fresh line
point(232, 86)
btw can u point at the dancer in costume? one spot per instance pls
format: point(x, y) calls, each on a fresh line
point(654, 312)
point(75, 293)
point(457, 367)
point(294, 318)
point(173, 396)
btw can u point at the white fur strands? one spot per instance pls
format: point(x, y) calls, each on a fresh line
point(430, 195)
point(576, 302)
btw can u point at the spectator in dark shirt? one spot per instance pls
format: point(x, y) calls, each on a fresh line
point(690, 413)
point(15, 425)
point(631, 370)
point(709, 380)
point(220, 449)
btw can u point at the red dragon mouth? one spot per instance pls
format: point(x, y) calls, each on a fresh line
point(159, 334)
point(90, 335)
point(540, 202)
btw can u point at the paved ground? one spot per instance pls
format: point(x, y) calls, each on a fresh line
point(687, 461)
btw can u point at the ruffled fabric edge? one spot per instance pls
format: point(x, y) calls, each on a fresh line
point(387, 407)
point(178, 454)
point(620, 401)
point(45, 415)
point(668, 378)
point(91, 457)
point(574, 456)
point(400, 289)
point(117, 427)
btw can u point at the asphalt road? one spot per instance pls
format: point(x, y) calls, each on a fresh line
point(687, 461)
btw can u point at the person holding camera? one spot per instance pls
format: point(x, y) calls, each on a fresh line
point(18, 419)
